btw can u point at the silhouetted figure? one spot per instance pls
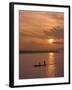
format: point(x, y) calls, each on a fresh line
point(45, 64)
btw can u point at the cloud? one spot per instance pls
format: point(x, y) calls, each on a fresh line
point(38, 26)
point(56, 32)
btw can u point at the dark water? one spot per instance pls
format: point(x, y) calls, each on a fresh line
point(54, 68)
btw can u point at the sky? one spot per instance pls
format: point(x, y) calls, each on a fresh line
point(41, 30)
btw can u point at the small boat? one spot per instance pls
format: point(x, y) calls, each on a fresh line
point(40, 65)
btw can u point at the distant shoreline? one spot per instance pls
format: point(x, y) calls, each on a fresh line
point(54, 51)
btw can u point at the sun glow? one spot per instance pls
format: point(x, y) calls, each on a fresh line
point(51, 54)
point(51, 40)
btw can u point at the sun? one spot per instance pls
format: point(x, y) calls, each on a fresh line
point(51, 40)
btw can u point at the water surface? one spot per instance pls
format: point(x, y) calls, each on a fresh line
point(54, 68)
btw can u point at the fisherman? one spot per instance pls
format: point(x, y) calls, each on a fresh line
point(44, 63)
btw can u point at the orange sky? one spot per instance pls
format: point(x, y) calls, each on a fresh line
point(36, 28)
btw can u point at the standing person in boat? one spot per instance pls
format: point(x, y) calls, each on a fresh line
point(44, 63)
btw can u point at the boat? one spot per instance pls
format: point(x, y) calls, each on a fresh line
point(40, 65)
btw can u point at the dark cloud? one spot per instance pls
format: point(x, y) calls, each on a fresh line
point(56, 32)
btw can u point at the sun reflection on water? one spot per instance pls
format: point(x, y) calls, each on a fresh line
point(51, 64)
